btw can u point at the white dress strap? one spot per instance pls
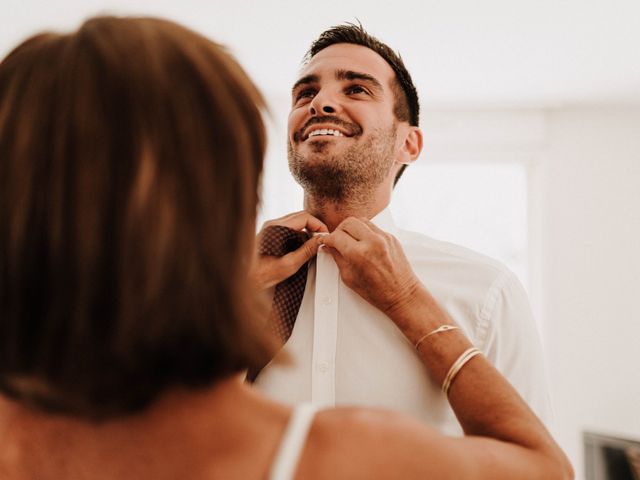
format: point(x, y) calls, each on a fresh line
point(293, 441)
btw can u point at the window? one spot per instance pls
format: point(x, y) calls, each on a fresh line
point(482, 206)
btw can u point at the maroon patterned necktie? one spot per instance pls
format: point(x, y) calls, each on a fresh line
point(277, 241)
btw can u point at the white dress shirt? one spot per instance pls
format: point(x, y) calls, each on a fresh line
point(346, 352)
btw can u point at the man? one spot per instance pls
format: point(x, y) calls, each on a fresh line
point(353, 129)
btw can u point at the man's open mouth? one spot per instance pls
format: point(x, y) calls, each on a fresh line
point(325, 131)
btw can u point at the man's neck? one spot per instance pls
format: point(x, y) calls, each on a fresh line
point(332, 213)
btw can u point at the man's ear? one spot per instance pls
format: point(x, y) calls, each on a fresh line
point(411, 147)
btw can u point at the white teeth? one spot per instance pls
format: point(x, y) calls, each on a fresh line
point(326, 131)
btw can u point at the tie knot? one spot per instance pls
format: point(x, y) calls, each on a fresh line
point(278, 240)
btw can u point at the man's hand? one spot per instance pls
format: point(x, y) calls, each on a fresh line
point(372, 263)
point(268, 271)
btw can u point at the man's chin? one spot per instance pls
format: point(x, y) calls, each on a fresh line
point(319, 146)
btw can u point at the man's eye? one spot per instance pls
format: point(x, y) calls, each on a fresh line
point(305, 94)
point(356, 89)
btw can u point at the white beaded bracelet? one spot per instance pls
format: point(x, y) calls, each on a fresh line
point(457, 366)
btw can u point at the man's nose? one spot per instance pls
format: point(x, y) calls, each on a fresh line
point(323, 103)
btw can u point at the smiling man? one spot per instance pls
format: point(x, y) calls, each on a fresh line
point(353, 129)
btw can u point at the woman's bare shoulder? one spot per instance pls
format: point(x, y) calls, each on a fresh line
point(374, 443)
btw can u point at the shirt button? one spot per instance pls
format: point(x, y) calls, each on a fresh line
point(323, 367)
point(326, 300)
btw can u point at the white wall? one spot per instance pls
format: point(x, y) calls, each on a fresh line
point(588, 190)
point(584, 249)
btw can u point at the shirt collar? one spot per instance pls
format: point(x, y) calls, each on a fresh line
point(384, 220)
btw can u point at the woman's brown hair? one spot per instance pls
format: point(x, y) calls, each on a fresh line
point(130, 158)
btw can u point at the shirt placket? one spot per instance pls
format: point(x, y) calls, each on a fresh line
point(325, 329)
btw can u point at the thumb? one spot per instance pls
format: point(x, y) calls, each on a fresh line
point(303, 254)
point(337, 257)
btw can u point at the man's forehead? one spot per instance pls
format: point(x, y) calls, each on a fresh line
point(347, 56)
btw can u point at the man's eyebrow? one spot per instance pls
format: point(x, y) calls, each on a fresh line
point(307, 79)
point(351, 75)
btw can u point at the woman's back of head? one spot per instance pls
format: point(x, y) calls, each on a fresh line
point(130, 156)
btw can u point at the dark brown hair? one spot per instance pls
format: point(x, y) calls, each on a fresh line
point(407, 107)
point(130, 157)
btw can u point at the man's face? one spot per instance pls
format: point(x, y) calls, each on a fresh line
point(342, 130)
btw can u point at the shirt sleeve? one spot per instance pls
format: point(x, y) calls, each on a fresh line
point(509, 337)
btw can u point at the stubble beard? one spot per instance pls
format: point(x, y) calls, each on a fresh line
point(348, 178)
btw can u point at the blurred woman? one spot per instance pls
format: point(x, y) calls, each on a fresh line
point(130, 158)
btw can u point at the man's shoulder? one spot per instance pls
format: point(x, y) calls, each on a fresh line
point(423, 250)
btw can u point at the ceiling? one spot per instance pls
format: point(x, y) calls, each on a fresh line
point(461, 53)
